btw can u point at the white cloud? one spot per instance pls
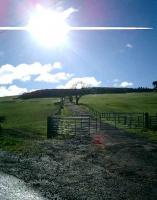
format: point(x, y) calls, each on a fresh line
point(85, 81)
point(69, 11)
point(11, 90)
point(57, 65)
point(126, 84)
point(130, 46)
point(24, 72)
point(53, 78)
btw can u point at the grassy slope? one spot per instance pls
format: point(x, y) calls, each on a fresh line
point(25, 120)
point(133, 102)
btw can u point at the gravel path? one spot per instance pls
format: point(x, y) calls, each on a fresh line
point(12, 188)
point(76, 168)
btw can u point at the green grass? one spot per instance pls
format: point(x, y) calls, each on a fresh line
point(132, 102)
point(66, 112)
point(26, 121)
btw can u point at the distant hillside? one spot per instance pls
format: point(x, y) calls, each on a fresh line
point(70, 92)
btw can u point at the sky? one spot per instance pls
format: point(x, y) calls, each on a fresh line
point(96, 58)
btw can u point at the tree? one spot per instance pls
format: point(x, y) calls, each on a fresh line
point(79, 90)
point(71, 99)
point(155, 84)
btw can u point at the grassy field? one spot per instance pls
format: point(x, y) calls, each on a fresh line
point(132, 102)
point(25, 121)
point(26, 124)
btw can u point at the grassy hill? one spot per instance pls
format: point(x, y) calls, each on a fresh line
point(25, 120)
point(130, 102)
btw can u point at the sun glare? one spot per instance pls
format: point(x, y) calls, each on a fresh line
point(48, 27)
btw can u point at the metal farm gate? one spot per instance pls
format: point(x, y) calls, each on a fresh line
point(57, 125)
point(152, 124)
point(70, 126)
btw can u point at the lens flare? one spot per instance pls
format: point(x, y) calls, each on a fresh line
point(48, 27)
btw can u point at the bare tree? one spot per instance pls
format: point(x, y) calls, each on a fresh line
point(155, 84)
point(79, 86)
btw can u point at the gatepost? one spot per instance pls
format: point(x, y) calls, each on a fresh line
point(146, 120)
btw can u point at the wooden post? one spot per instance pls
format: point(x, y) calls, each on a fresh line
point(49, 130)
point(146, 120)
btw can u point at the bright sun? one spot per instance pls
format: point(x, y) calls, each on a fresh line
point(48, 27)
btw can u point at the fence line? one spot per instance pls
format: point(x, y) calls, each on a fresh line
point(57, 125)
point(130, 120)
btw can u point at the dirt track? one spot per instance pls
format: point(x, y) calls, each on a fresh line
point(122, 168)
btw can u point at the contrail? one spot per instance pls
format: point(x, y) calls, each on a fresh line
point(25, 28)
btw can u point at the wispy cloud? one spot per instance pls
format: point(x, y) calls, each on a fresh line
point(130, 46)
point(116, 80)
point(86, 81)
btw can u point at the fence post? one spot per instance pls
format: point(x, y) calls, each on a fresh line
point(146, 120)
point(125, 120)
point(89, 125)
point(52, 128)
point(118, 118)
point(49, 128)
point(96, 120)
point(75, 126)
point(130, 121)
point(115, 118)
point(100, 120)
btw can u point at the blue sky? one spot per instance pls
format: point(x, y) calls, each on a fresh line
point(97, 58)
